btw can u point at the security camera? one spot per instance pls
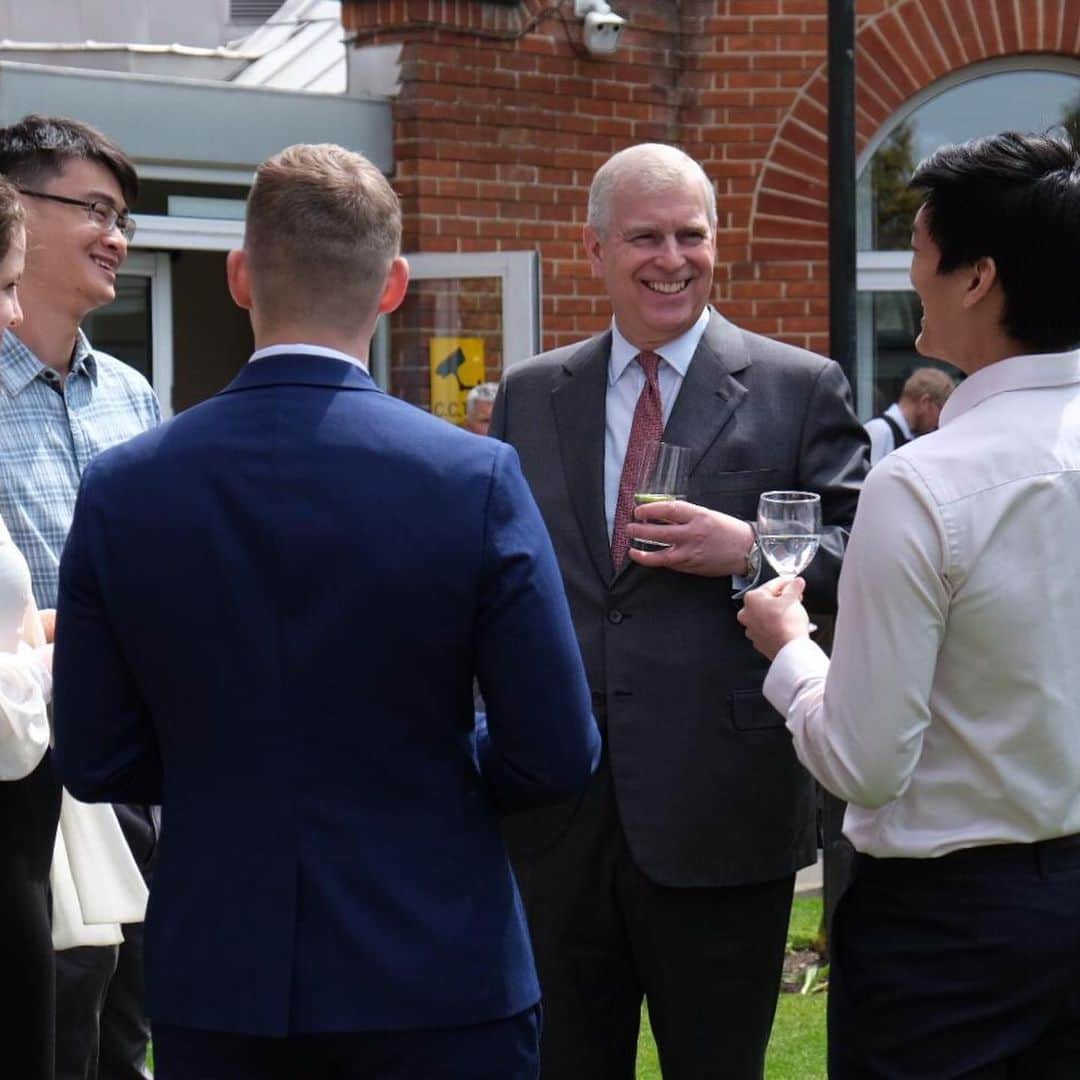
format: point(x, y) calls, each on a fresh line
point(602, 32)
point(603, 27)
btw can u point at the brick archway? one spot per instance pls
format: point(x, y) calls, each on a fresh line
point(899, 52)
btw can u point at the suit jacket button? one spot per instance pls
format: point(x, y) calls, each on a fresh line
point(615, 616)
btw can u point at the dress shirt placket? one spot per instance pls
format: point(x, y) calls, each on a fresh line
point(76, 395)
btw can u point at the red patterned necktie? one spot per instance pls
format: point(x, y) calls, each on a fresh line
point(645, 430)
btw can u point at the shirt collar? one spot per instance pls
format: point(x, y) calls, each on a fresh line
point(83, 358)
point(312, 350)
point(678, 353)
point(1013, 373)
point(19, 365)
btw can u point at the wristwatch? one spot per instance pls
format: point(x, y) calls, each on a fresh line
point(753, 556)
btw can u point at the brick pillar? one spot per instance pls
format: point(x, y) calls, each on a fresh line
point(503, 117)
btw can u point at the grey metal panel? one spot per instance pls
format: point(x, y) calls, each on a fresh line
point(193, 22)
point(184, 122)
point(41, 22)
point(118, 20)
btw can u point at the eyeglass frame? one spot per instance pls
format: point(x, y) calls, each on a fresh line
point(111, 218)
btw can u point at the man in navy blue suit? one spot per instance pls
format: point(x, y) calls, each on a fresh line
point(271, 613)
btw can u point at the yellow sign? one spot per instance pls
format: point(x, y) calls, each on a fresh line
point(457, 365)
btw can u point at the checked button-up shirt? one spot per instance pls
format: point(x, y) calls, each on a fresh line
point(48, 435)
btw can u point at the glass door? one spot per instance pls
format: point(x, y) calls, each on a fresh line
point(466, 317)
point(137, 326)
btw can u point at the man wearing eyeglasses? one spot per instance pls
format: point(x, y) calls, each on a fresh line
point(61, 403)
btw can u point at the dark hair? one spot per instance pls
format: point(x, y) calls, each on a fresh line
point(38, 147)
point(1016, 199)
point(11, 215)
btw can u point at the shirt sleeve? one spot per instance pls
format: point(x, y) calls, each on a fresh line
point(858, 722)
point(539, 743)
point(25, 687)
point(106, 748)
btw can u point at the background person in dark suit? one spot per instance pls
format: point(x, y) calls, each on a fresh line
point(672, 876)
point(271, 613)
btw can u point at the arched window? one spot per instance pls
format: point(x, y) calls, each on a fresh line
point(1018, 93)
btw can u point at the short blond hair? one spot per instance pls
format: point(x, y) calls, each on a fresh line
point(323, 227)
point(931, 381)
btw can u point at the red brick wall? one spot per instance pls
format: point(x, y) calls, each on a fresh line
point(503, 117)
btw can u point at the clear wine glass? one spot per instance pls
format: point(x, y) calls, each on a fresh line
point(789, 529)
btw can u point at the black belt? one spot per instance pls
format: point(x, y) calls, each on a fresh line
point(1046, 856)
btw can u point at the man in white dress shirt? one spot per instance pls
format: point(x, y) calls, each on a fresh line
point(948, 716)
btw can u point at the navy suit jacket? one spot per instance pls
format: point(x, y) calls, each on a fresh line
point(271, 613)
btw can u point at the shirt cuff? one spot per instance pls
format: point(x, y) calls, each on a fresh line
point(797, 661)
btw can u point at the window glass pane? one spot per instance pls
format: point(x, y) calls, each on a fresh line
point(444, 339)
point(896, 317)
point(154, 194)
point(122, 328)
point(1012, 100)
point(888, 325)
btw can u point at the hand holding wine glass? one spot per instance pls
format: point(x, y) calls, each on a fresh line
point(662, 477)
point(789, 529)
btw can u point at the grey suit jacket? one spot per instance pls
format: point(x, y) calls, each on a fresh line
point(708, 787)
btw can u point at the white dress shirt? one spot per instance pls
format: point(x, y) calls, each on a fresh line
point(25, 679)
point(314, 350)
point(94, 881)
point(626, 380)
point(949, 714)
point(882, 439)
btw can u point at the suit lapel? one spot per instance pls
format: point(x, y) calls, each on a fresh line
point(707, 399)
point(709, 394)
point(579, 405)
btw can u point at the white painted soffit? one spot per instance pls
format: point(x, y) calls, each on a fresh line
point(61, 47)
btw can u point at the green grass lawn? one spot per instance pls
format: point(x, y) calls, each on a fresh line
point(797, 1046)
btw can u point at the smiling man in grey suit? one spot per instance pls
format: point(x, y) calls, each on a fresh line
point(672, 877)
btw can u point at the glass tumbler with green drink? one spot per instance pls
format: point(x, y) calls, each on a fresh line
point(664, 474)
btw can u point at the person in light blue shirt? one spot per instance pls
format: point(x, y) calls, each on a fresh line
point(61, 403)
point(50, 429)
